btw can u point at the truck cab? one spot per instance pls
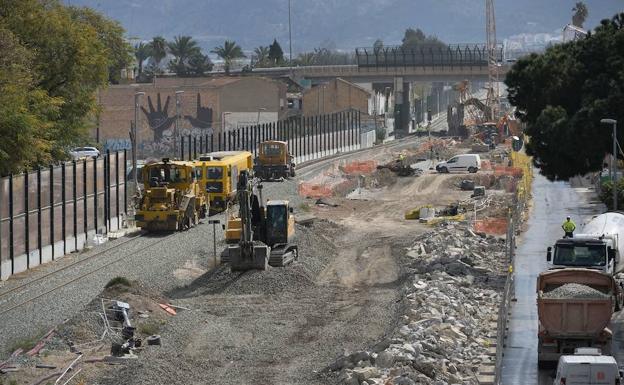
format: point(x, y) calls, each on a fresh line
point(587, 367)
point(583, 251)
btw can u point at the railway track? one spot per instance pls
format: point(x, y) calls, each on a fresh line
point(79, 277)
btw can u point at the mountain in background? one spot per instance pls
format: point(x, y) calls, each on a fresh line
point(342, 24)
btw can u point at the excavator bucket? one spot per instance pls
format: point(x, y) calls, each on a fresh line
point(243, 258)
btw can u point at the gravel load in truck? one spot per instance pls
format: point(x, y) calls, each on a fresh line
point(576, 291)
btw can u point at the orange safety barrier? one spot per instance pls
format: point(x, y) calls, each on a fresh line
point(494, 226)
point(513, 171)
point(363, 167)
point(314, 190)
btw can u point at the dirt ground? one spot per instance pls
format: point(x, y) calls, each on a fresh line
point(286, 325)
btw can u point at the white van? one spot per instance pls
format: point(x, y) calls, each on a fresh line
point(587, 367)
point(464, 162)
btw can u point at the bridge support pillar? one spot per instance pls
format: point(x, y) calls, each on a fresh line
point(401, 107)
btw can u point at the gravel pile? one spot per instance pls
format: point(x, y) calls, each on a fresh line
point(575, 290)
point(452, 296)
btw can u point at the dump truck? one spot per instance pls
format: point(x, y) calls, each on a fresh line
point(173, 199)
point(262, 233)
point(597, 246)
point(274, 161)
point(574, 308)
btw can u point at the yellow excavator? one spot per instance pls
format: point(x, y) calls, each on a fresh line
point(261, 234)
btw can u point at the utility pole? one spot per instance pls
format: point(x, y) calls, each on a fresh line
point(292, 73)
point(176, 135)
point(135, 136)
point(214, 223)
point(613, 122)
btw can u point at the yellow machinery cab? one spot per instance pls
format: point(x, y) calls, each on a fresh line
point(218, 174)
point(173, 199)
point(274, 161)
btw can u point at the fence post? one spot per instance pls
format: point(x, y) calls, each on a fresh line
point(108, 189)
point(190, 148)
point(95, 195)
point(26, 220)
point(75, 200)
point(117, 188)
point(85, 200)
point(126, 181)
point(63, 209)
point(39, 245)
point(181, 148)
point(201, 145)
point(51, 182)
point(11, 235)
point(194, 147)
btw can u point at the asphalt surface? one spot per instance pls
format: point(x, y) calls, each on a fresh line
point(552, 201)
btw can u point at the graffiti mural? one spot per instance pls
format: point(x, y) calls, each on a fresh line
point(158, 118)
point(203, 115)
point(117, 144)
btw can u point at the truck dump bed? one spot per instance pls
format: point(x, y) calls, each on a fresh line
point(563, 313)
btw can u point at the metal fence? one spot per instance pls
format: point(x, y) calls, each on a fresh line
point(52, 211)
point(516, 216)
point(427, 56)
point(308, 138)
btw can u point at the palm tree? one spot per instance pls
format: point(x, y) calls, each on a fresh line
point(158, 46)
point(142, 52)
point(262, 54)
point(229, 51)
point(183, 47)
point(580, 14)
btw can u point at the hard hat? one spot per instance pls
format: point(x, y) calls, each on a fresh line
point(568, 217)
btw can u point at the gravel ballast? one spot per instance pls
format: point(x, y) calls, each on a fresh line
point(575, 291)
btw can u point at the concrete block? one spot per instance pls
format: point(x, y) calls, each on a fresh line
point(5, 269)
point(487, 370)
point(46, 253)
point(20, 264)
point(33, 258)
point(485, 379)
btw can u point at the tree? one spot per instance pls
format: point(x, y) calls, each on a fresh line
point(563, 93)
point(142, 52)
point(111, 34)
point(182, 48)
point(158, 48)
point(262, 56)
point(414, 38)
point(229, 52)
point(305, 59)
point(378, 45)
point(580, 14)
point(199, 64)
point(276, 55)
point(25, 111)
point(70, 62)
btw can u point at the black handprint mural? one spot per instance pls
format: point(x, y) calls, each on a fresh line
point(158, 118)
point(203, 118)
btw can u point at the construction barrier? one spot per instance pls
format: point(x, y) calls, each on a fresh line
point(314, 190)
point(523, 162)
point(360, 167)
point(516, 172)
point(494, 226)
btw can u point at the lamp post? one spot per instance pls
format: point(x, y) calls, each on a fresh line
point(613, 122)
point(260, 109)
point(135, 135)
point(292, 74)
point(223, 114)
point(176, 134)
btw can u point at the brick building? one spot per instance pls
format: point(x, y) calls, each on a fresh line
point(336, 95)
point(206, 104)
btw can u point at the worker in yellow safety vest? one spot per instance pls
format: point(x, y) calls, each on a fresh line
point(568, 228)
point(402, 159)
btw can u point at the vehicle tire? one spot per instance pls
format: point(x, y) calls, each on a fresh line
point(292, 172)
point(472, 170)
point(443, 170)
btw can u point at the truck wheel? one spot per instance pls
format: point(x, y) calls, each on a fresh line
point(472, 170)
point(443, 170)
point(292, 172)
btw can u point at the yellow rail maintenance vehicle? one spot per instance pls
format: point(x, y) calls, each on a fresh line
point(274, 161)
point(218, 174)
point(173, 198)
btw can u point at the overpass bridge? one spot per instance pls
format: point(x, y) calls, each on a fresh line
point(420, 64)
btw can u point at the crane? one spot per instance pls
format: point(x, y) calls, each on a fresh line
point(493, 95)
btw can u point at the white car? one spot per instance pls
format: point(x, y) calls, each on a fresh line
point(464, 162)
point(587, 367)
point(84, 152)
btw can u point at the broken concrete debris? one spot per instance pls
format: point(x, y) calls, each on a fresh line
point(451, 300)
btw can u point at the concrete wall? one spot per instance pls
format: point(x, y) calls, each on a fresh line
point(336, 95)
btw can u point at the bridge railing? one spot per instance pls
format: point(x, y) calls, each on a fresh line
point(427, 56)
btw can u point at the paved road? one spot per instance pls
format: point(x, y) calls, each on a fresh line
point(552, 201)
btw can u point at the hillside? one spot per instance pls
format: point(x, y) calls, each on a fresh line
point(347, 23)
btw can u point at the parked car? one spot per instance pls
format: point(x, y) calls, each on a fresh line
point(464, 162)
point(587, 367)
point(84, 152)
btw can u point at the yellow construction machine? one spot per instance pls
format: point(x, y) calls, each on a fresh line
point(274, 161)
point(262, 233)
point(173, 199)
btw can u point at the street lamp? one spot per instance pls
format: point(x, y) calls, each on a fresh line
point(223, 114)
point(135, 135)
point(260, 109)
point(176, 134)
point(613, 122)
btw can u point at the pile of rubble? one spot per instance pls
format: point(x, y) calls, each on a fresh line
point(575, 290)
point(451, 301)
